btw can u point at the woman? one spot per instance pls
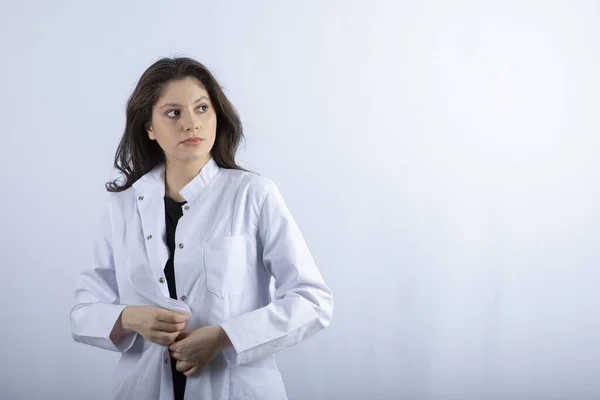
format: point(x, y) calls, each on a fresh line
point(180, 284)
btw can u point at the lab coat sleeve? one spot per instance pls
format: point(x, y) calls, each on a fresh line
point(97, 305)
point(302, 305)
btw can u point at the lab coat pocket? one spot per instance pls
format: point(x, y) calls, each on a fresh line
point(226, 264)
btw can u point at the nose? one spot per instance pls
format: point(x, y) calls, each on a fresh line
point(190, 123)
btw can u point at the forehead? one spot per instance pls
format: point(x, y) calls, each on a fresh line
point(182, 91)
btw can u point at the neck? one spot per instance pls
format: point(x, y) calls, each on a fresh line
point(178, 175)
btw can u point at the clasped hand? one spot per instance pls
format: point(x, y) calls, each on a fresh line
point(192, 350)
point(196, 349)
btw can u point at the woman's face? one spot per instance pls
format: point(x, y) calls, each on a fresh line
point(184, 122)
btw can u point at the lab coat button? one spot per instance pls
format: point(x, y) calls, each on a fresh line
point(186, 208)
point(184, 298)
point(149, 237)
point(166, 360)
point(181, 245)
point(161, 280)
point(141, 198)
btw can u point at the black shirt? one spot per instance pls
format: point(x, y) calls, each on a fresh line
point(173, 212)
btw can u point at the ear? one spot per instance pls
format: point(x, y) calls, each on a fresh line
point(150, 132)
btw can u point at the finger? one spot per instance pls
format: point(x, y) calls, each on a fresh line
point(164, 338)
point(183, 366)
point(172, 338)
point(174, 342)
point(167, 326)
point(179, 337)
point(172, 316)
point(192, 371)
point(176, 355)
point(182, 335)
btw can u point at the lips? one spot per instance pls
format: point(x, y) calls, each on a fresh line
point(194, 140)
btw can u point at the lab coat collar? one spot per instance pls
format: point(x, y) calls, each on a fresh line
point(193, 189)
point(153, 182)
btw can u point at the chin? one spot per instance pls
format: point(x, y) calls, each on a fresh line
point(195, 157)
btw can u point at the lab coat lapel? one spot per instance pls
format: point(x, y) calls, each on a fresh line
point(151, 206)
point(152, 214)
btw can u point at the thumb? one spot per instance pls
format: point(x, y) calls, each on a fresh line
point(182, 336)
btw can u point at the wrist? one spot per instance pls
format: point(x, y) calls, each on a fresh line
point(224, 341)
point(126, 319)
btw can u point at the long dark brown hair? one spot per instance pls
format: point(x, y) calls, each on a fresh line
point(137, 154)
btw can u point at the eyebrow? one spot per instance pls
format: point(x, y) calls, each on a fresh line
point(179, 105)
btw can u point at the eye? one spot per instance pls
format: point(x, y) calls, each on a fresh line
point(167, 114)
point(178, 112)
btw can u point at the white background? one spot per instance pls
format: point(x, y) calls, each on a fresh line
point(441, 158)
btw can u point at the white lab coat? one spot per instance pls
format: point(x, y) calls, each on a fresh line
point(235, 234)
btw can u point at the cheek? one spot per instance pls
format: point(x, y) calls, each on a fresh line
point(165, 140)
point(211, 138)
point(213, 128)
